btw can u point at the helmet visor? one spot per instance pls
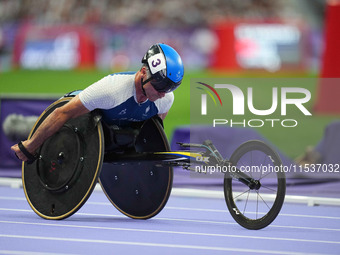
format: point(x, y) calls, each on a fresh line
point(165, 85)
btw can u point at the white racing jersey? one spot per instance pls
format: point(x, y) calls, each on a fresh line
point(115, 95)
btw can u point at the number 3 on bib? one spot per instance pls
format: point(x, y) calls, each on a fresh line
point(157, 63)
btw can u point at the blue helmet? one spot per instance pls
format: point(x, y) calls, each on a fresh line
point(166, 67)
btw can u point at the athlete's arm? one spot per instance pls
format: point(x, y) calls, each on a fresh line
point(163, 115)
point(51, 125)
point(164, 104)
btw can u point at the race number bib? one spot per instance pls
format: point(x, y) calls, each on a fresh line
point(156, 63)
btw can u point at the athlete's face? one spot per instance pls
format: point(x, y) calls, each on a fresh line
point(151, 93)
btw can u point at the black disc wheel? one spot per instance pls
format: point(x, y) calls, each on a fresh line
point(140, 190)
point(256, 204)
point(60, 181)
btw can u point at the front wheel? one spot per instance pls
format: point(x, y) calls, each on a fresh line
point(255, 207)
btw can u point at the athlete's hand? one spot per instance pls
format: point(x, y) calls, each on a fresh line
point(18, 152)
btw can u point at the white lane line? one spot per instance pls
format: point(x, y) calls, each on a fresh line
point(186, 220)
point(197, 209)
point(8, 252)
point(173, 232)
point(12, 198)
point(158, 245)
point(224, 211)
point(15, 210)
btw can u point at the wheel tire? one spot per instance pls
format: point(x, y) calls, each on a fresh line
point(238, 196)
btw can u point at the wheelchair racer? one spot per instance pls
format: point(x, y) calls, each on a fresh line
point(123, 97)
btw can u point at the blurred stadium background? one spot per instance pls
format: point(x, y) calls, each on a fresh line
point(48, 48)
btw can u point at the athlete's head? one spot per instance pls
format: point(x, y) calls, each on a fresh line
point(165, 67)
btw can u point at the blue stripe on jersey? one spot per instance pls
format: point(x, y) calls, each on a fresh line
point(129, 111)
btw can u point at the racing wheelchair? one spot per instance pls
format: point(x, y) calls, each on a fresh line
point(136, 173)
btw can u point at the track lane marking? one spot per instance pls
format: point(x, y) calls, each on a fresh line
point(13, 252)
point(173, 232)
point(194, 209)
point(148, 244)
point(186, 220)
